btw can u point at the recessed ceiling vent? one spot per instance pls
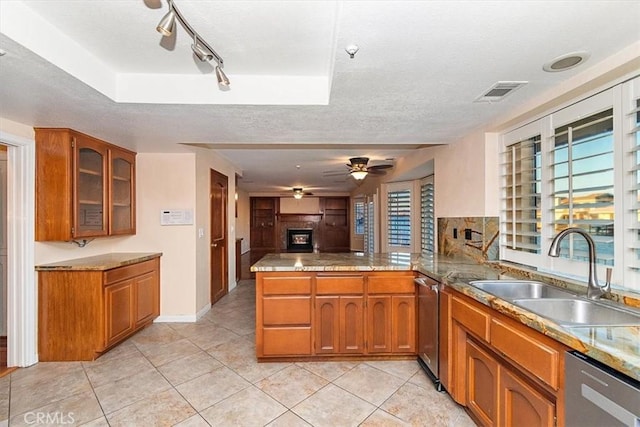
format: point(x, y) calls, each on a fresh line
point(499, 91)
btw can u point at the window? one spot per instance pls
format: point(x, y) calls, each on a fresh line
point(521, 227)
point(583, 185)
point(427, 219)
point(576, 167)
point(369, 225)
point(399, 218)
point(633, 258)
point(358, 217)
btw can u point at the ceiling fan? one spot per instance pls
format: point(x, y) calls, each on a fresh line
point(297, 192)
point(359, 168)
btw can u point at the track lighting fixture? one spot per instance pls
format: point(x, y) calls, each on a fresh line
point(222, 77)
point(167, 23)
point(200, 47)
point(202, 54)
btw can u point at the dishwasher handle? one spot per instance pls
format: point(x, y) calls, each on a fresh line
point(422, 282)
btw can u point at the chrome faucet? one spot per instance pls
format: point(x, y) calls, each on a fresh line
point(594, 290)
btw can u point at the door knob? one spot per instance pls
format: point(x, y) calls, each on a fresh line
point(214, 245)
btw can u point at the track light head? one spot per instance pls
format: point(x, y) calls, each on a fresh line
point(166, 24)
point(203, 54)
point(223, 80)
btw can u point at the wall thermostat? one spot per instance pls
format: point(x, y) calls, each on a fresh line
point(176, 217)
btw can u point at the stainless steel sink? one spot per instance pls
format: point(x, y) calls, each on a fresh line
point(519, 289)
point(579, 312)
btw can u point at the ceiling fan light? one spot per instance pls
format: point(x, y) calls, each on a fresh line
point(297, 196)
point(297, 193)
point(359, 174)
point(223, 80)
point(166, 24)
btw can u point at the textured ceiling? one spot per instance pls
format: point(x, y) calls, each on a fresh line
point(295, 96)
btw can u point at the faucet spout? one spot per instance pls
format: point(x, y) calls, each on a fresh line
point(594, 290)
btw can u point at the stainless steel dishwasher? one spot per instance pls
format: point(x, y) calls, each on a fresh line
point(597, 395)
point(428, 325)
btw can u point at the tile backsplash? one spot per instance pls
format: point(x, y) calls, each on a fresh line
point(471, 237)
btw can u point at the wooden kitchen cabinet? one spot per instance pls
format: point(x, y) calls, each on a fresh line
point(83, 313)
point(482, 384)
point(339, 325)
point(85, 187)
point(339, 313)
point(506, 373)
point(391, 313)
point(122, 192)
point(522, 404)
point(283, 315)
point(354, 314)
point(119, 307)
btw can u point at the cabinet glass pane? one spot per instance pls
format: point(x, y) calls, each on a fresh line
point(90, 190)
point(120, 195)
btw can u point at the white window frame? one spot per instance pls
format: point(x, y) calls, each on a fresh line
point(425, 181)
point(622, 99)
point(414, 189)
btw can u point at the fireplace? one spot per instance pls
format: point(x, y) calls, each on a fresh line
point(299, 240)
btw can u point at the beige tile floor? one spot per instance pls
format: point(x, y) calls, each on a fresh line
point(205, 373)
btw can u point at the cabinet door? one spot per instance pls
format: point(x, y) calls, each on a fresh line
point(379, 324)
point(351, 324)
point(521, 404)
point(146, 297)
point(90, 192)
point(327, 324)
point(122, 192)
point(119, 303)
point(403, 323)
point(482, 384)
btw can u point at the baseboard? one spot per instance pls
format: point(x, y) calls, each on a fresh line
point(203, 311)
point(180, 318)
point(184, 318)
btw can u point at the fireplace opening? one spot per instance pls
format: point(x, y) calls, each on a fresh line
point(299, 240)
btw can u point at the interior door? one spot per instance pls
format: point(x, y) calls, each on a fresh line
point(219, 261)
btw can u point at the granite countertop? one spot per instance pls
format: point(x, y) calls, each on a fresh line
point(99, 262)
point(615, 346)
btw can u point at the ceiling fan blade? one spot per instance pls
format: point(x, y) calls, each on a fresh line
point(376, 171)
point(334, 173)
point(379, 167)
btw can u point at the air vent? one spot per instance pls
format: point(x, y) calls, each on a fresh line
point(499, 91)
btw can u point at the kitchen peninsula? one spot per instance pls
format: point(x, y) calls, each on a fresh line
point(496, 358)
point(289, 294)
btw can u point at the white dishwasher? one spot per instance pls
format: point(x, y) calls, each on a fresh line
point(597, 395)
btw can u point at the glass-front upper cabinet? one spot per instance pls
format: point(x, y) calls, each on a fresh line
point(90, 198)
point(85, 187)
point(122, 203)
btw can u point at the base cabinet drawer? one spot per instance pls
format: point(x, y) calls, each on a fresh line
point(529, 353)
point(286, 341)
point(287, 310)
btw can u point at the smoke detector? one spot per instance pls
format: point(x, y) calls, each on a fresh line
point(352, 49)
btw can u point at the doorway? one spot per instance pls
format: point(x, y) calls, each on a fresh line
point(218, 192)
